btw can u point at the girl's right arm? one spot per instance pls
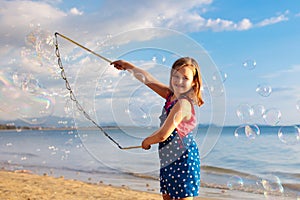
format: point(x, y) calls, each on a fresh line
point(143, 76)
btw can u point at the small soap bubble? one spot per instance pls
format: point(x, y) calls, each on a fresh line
point(249, 64)
point(9, 144)
point(248, 131)
point(272, 116)
point(159, 59)
point(217, 89)
point(289, 135)
point(122, 73)
point(175, 118)
point(298, 105)
point(24, 158)
point(221, 75)
point(138, 114)
point(140, 77)
point(244, 113)
point(252, 131)
point(272, 185)
point(27, 82)
point(258, 111)
point(238, 132)
point(264, 90)
point(160, 18)
point(105, 84)
point(235, 183)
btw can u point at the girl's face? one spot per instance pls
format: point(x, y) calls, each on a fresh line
point(182, 80)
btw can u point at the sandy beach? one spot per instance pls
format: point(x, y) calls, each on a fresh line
point(22, 185)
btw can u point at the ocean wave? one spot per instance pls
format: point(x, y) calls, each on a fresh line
point(19, 154)
point(224, 171)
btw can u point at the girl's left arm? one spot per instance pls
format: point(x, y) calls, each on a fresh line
point(180, 111)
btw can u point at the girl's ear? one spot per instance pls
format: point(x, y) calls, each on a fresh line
point(194, 83)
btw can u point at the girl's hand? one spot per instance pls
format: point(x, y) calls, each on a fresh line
point(120, 64)
point(146, 145)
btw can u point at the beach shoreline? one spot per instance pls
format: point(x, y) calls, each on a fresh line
point(23, 184)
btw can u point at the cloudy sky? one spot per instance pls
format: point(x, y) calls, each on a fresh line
point(248, 52)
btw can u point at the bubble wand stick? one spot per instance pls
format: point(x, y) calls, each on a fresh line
point(70, 40)
point(72, 95)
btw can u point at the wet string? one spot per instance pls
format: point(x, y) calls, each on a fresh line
point(72, 95)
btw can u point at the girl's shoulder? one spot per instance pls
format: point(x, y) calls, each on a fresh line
point(185, 105)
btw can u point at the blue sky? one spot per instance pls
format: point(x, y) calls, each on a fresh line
point(229, 31)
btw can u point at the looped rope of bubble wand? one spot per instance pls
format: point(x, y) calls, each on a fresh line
point(72, 95)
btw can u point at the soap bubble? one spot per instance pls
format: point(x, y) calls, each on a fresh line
point(140, 77)
point(159, 58)
point(252, 131)
point(249, 64)
point(239, 131)
point(104, 85)
point(298, 105)
point(247, 131)
point(216, 89)
point(35, 109)
point(160, 18)
point(122, 73)
point(289, 135)
point(258, 111)
point(27, 82)
point(264, 90)
point(244, 113)
point(272, 116)
point(138, 113)
point(220, 75)
point(25, 98)
point(42, 42)
point(235, 183)
point(272, 185)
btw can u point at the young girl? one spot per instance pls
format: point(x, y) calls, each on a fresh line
point(178, 152)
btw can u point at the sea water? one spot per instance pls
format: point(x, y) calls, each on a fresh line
point(262, 165)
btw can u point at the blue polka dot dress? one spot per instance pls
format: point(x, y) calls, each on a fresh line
point(179, 162)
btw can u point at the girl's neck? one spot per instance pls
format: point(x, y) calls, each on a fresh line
point(177, 96)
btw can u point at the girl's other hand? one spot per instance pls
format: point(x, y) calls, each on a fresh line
point(145, 145)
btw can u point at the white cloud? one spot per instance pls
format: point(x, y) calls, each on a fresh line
point(227, 25)
point(17, 17)
point(294, 70)
point(75, 11)
point(272, 20)
point(18, 13)
point(245, 24)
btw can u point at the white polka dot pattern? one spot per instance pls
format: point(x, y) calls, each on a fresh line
point(179, 163)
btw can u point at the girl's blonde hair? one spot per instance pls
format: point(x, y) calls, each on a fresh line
point(197, 80)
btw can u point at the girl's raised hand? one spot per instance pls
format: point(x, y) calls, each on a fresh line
point(119, 64)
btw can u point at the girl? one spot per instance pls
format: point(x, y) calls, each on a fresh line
point(178, 152)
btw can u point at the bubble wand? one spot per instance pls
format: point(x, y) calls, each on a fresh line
point(72, 95)
point(70, 40)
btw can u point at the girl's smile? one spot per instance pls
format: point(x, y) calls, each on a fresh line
point(182, 80)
